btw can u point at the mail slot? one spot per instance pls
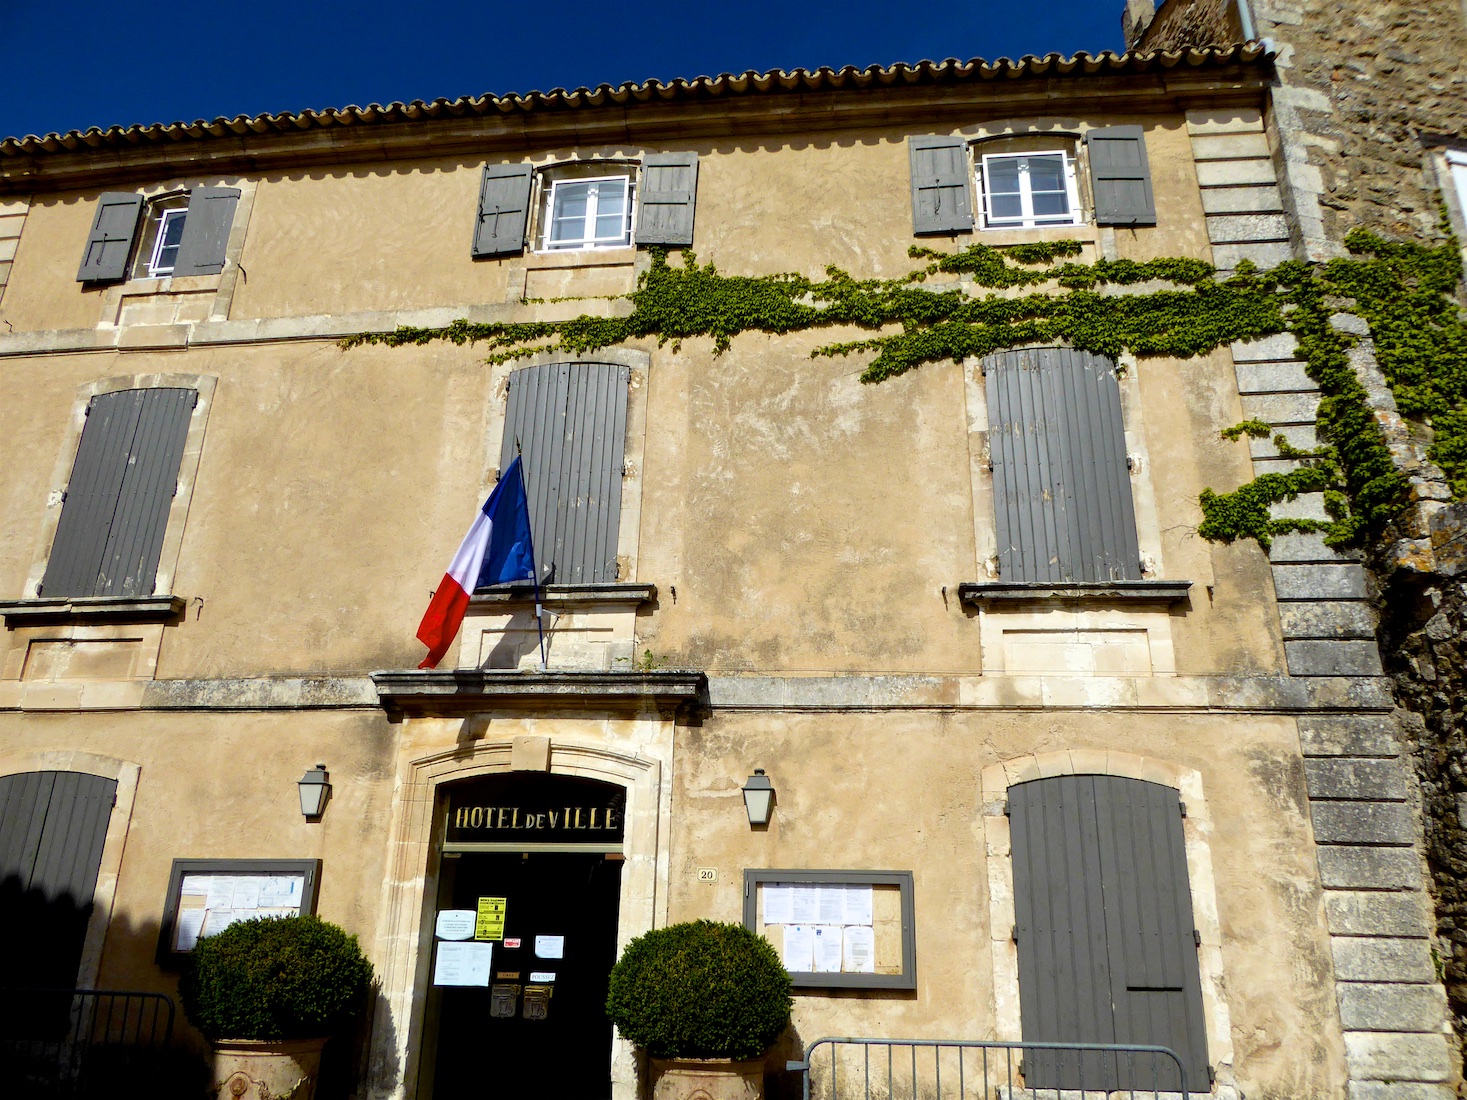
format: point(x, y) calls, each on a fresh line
point(504, 999)
point(536, 1002)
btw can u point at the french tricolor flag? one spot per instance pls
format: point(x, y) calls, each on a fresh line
point(497, 549)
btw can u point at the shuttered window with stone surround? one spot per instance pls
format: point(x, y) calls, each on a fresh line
point(585, 205)
point(52, 829)
point(181, 234)
point(121, 489)
point(1103, 921)
point(1061, 480)
point(568, 422)
point(1028, 180)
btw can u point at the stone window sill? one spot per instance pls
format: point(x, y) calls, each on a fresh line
point(999, 594)
point(580, 257)
point(79, 609)
point(563, 595)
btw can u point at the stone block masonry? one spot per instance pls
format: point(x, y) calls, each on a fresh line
point(1391, 1001)
point(12, 221)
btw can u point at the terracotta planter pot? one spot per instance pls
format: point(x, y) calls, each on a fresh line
point(707, 1079)
point(282, 1069)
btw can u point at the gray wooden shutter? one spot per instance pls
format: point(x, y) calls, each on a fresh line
point(52, 829)
point(1155, 985)
point(122, 483)
point(1103, 916)
point(1061, 483)
point(504, 209)
point(206, 229)
point(110, 241)
point(940, 202)
point(668, 193)
point(570, 422)
point(1120, 176)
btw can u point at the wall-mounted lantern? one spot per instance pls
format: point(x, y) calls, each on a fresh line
point(315, 789)
point(758, 797)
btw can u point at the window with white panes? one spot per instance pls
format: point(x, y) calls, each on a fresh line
point(1457, 165)
point(588, 213)
point(1028, 190)
point(160, 235)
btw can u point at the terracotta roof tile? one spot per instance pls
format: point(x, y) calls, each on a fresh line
point(750, 83)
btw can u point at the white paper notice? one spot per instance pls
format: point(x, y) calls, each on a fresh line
point(463, 963)
point(832, 905)
point(247, 893)
point(190, 924)
point(799, 948)
point(860, 949)
point(218, 920)
point(281, 892)
point(220, 892)
point(550, 947)
point(857, 905)
point(194, 886)
point(827, 949)
point(805, 904)
point(778, 905)
point(456, 924)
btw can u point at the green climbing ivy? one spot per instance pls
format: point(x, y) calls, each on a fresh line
point(1038, 294)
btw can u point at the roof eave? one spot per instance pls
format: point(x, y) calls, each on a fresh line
point(648, 114)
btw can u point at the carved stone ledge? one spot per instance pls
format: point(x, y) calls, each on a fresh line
point(998, 593)
point(75, 609)
point(556, 595)
point(446, 693)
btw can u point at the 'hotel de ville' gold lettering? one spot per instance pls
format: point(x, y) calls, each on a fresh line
point(510, 817)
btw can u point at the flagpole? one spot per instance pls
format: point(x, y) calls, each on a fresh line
point(534, 565)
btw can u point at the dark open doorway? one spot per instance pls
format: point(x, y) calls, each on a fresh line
point(539, 1024)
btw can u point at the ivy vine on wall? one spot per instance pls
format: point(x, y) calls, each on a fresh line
point(1038, 294)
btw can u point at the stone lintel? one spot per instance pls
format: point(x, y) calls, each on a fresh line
point(439, 693)
point(560, 595)
point(1112, 592)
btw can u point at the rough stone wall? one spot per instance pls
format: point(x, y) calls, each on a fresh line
point(1179, 24)
point(1424, 642)
point(1370, 80)
point(1362, 91)
point(1360, 84)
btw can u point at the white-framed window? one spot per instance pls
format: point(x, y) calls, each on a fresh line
point(159, 236)
point(1457, 165)
point(165, 248)
point(1028, 190)
point(588, 213)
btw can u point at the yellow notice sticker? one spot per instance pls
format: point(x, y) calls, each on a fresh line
point(489, 924)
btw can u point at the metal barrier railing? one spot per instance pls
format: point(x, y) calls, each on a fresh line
point(954, 1069)
point(56, 1042)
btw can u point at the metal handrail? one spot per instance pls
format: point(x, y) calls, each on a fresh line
point(57, 1034)
point(1014, 1081)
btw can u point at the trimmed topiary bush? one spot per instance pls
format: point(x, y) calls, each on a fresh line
point(275, 978)
point(700, 990)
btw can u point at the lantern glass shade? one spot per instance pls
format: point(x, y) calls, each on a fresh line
point(758, 797)
point(315, 789)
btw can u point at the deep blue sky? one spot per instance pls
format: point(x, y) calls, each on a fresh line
point(72, 64)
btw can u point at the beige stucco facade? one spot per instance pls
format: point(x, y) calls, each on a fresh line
point(806, 536)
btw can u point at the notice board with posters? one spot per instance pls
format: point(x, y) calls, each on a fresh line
point(206, 896)
point(836, 929)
